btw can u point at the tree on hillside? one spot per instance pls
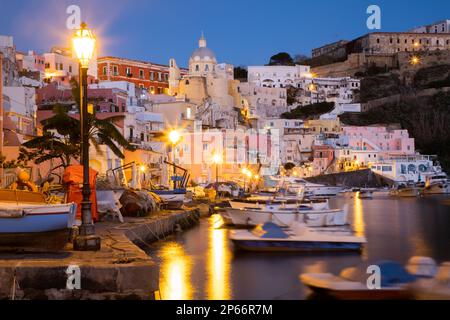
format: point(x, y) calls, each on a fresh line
point(310, 111)
point(240, 72)
point(301, 59)
point(281, 59)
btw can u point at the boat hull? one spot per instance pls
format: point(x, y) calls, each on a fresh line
point(42, 218)
point(295, 246)
point(40, 227)
point(405, 193)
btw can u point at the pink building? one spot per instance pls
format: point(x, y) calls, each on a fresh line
point(380, 139)
point(107, 100)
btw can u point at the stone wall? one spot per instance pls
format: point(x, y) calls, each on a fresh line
point(361, 179)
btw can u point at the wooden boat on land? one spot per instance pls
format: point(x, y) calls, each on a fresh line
point(298, 238)
point(27, 221)
point(173, 198)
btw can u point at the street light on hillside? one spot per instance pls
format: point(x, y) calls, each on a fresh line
point(84, 46)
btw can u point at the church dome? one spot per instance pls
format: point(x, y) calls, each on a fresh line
point(202, 53)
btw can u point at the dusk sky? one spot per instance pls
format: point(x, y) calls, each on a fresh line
point(241, 32)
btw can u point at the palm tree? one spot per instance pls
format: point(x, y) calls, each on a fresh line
point(62, 136)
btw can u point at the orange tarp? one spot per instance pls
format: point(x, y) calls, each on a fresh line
point(73, 179)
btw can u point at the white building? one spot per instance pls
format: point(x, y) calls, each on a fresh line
point(277, 76)
point(263, 102)
point(338, 90)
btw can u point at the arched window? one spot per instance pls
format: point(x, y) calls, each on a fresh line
point(207, 67)
point(197, 67)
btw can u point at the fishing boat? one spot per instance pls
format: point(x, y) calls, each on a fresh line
point(174, 199)
point(405, 191)
point(27, 221)
point(437, 183)
point(297, 238)
point(286, 217)
point(276, 203)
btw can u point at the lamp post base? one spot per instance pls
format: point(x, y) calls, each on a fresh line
point(87, 243)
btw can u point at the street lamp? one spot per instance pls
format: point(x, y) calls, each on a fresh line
point(217, 159)
point(415, 60)
point(84, 45)
point(174, 138)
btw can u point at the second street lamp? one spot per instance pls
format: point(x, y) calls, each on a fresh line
point(84, 45)
point(217, 159)
point(174, 137)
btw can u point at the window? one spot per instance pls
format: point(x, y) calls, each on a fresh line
point(152, 75)
point(197, 68)
point(128, 71)
point(115, 70)
point(104, 71)
point(159, 76)
point(207, 67)
point(166, 77)
point(141, 74)
point(70, 69)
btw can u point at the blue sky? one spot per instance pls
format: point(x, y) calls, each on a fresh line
point(241, 32)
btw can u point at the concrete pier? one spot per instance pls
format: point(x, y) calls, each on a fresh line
point(121, 270)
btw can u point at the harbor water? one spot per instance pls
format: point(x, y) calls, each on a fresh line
point(201, 263)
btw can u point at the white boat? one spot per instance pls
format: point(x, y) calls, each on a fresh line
point(437, 183)
point(312, 189)
point(298, 238)
point(301, 186)
point(365, 194)
point(173, 198)
point(286, 217)
point(277, 203)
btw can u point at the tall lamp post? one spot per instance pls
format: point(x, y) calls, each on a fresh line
point(84, 45)
point(174, 137)
point(217, 159)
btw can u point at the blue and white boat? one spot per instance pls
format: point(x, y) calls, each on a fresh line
point(174, 198)
point(30, 222)
point(299, 237)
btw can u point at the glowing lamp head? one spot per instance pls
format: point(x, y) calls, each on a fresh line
point(217, 159)
point(245, 171)
point(415, 60)
point(83, 42)
point(174, 137)
point(143, 168)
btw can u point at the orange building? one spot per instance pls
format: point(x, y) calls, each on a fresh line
point(151, 76)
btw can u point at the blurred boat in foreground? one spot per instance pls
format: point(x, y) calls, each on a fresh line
point(420, 279)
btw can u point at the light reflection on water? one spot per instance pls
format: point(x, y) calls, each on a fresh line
point(201, 263)
point(175, 283)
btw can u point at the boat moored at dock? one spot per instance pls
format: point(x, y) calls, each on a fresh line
point(297, 238)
